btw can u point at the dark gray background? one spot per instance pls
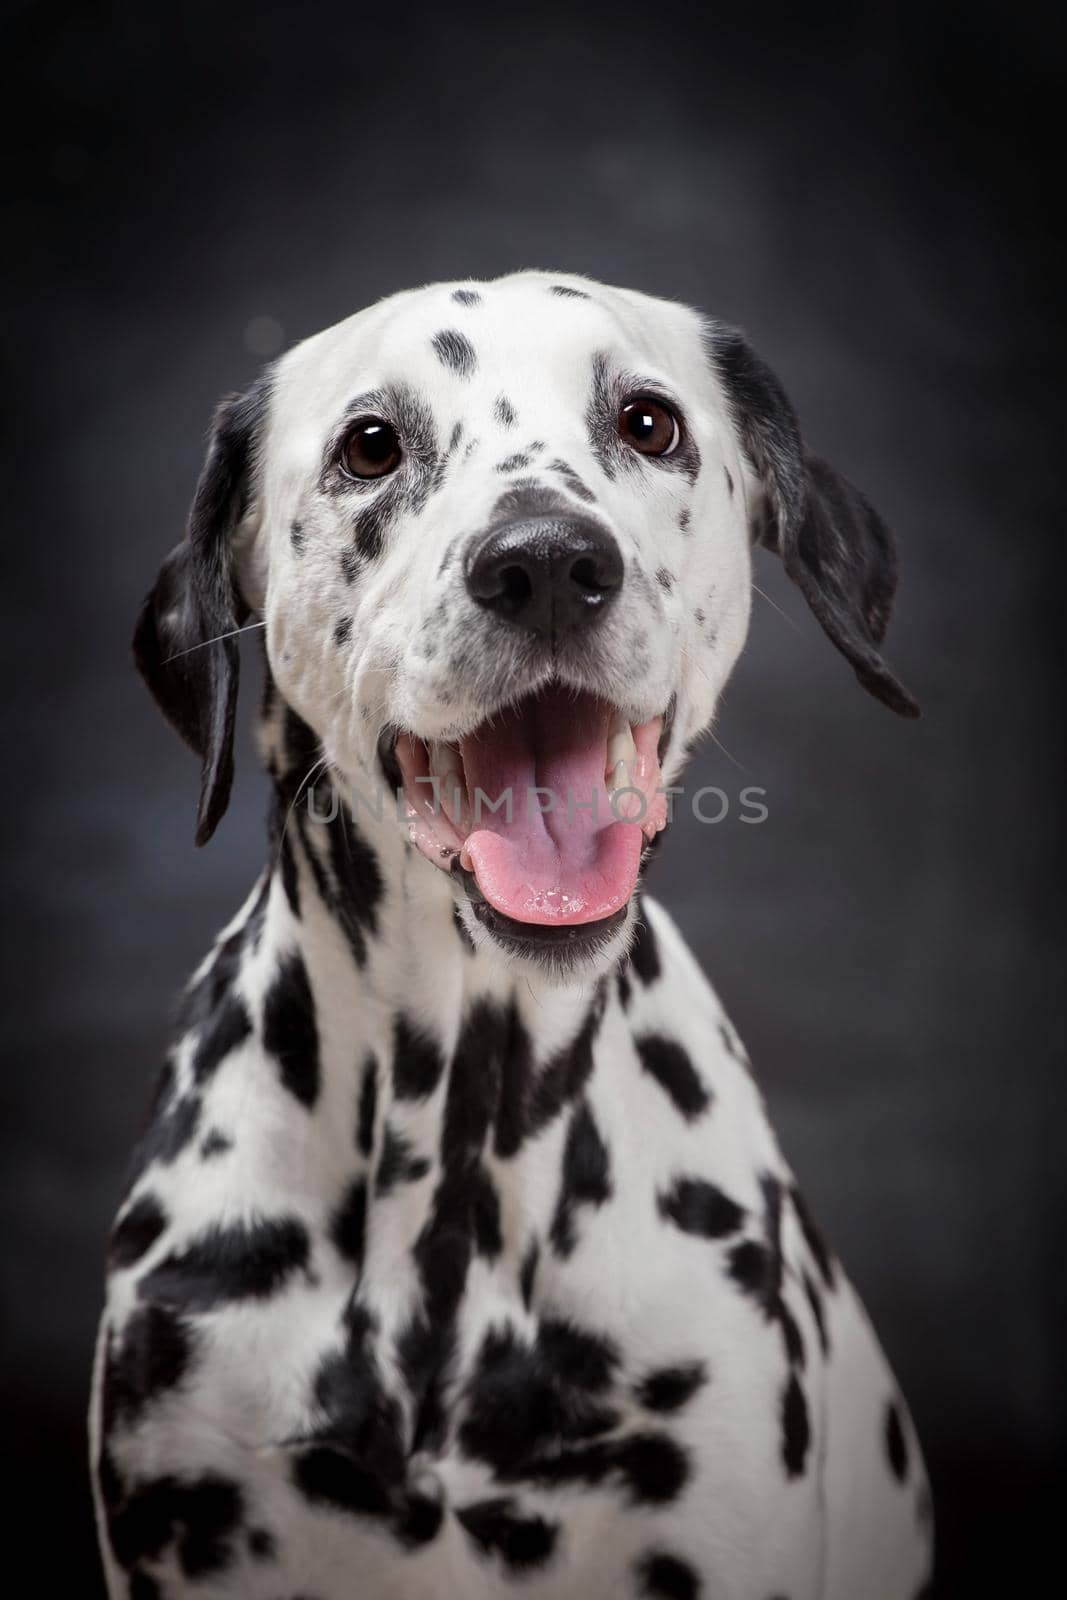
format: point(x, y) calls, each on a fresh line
point(865, 196)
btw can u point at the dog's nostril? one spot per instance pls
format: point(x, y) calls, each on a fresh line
point(515, 588)
point(587, 575)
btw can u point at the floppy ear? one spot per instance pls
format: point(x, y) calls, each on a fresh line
point(833, 544)
point(184, 643)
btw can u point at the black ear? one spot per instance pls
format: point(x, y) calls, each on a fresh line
point(184, 643)
point(833, 544)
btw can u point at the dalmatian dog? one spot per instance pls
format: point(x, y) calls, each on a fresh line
point(458, 1257)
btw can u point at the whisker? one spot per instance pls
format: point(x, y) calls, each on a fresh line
point(315, 767)
point(776, 607)
point(248, 627)
point(708, 731)
point(738, 764)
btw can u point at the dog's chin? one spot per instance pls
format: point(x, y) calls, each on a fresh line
point(561, 953)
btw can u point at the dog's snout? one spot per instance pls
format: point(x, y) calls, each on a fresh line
point(551, 575)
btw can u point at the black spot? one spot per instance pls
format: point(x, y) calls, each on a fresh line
point(342, 631)
point(351, 562)
point(817, 1309)
point(447, 1240)
point(644, 956)
point(356, 1413)
point(286, 862)
point(792, 1338)
point(417, 1061)
point(752, 1268)
point(215, 1143)
point(667, 1062)
point(504, 412)
point(425, 1349)
point(348, 1223)
point(683, 519)
point(369, 523)
point(359, 1418)
point(297, 538)
point(518, 1405)
point(528, 1272)
point(262, 1544)
point(399, 1163)
point(572, 481)
point(201, 1517)
point(813, 1238)
point(347, 878)
point(136, 1231)
point(586, 1178)
point(466, 297)
point(329, 1476)
point(368, 1106)
point(513, 463)
point(698, 617)
point(796, 1429)
point(172, 1126)
point(759, 1270)
point(586, 1360)
point(700, 1208)
point(565, 292)
point(420, 1519)
point(455, 351)
point(670, 1388)
point(496, 1528)
point(652, 1467)
point(622, 983)
point(227, 1027)
point(667, 1576)
point(529, 1099)
point(454, 438)
point(215, 986)
point(238, 1261)
point(600, 418)
point(155, 1352)
point(665, 579)
point(729, 480)
point(485, 1214)
point(290, 1033)
point(896, 1443)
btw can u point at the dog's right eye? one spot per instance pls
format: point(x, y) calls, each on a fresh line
point(371, 449)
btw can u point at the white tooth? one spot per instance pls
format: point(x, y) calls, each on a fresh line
point(621, 747)
point(618, 777)
point(446, 765)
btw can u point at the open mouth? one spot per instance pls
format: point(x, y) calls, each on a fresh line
point(547, 806)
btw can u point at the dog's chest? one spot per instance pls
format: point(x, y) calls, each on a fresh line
point(527, 1296)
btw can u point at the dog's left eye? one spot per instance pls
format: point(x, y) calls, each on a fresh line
point(371, 449)
point(649, 426)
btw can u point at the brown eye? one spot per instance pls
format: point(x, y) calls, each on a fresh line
point(371, 449)
point(649, 426)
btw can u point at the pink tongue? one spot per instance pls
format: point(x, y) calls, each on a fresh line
point(562, 857)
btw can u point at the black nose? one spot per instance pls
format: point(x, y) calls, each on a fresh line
point(549, 574)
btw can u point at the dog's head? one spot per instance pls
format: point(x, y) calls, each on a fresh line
point(499, 535)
